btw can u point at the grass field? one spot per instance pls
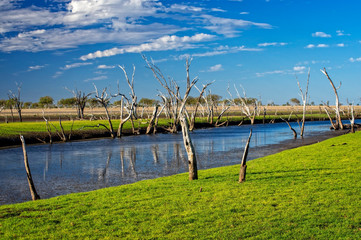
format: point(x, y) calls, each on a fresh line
point(312, 192)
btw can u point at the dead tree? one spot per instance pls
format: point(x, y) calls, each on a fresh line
point(152, 120)
point(339, 124)
point(173, 90)
point(130, 103)
point(334, 125)
point(247, 106)
point(81, 99)
point(157, 118)
point(304, 97)
point(289, 125)
point(192, 161)
point(15, 99)
point(34, 194)
point(104, 100)
point(242, 171)
point(351, 110)
point(194, 113)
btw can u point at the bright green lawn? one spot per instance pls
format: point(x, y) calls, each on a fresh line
point(311, 192)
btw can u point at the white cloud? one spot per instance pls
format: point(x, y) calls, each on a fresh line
point(65, 38)
point(340, 45)
point(216, 68)
point(96, 78)
point(299, 68)
point(180, 7)
point(355, 59)
point(221, 50)
point(105, 67)
point(342, 33)
point(271, 73)
point(161, 44)
point(322, 46)
point(229, 27)
point(218, 10)
point(72, 23)
point(36, 67)
point(65, 24)
point(272, 44)
point(76, 65)
point(317, 46)
point(321, 34)
point(244, 13)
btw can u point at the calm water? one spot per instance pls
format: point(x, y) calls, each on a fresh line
point(87, 165)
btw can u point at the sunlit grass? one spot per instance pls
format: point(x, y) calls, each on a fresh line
point(311, 192)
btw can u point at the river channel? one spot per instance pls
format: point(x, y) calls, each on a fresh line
point(64, 168)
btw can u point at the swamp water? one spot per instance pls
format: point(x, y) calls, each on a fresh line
point(88, 165)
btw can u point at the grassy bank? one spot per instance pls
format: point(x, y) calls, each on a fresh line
point(312, 192)
point(36, 131)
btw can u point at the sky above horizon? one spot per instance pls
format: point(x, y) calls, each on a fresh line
point(260, 44)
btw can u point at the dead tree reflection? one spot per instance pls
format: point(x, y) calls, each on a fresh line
point(105, 170)
point(155, 150)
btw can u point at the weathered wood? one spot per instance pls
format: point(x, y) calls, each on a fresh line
point(289, 125)
point(337, 105)
point(192, 161)
point(334, 126)
point(152, 120)
point(34, 194)
point(104, 100)
point(304, 97)
point(242, 172)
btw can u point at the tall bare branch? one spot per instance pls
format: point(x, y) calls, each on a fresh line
point(337, 104)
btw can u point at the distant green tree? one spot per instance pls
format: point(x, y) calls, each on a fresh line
point(27, 104)
point(46, 101)
point(248, 101)
point(295, 101)
point(3, 103)
point(215, 98)
point(92, 102)
point(67, 102)
point(146, 102)
point(35, 105)
point(191, 101)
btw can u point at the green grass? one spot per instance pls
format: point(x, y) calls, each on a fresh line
point(312, 192)
point(29, 128)
point(16, 128)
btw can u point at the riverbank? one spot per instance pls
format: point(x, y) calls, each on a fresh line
point(310, 192)
point(37, 132)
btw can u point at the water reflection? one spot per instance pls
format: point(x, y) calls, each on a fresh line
point(82, 166)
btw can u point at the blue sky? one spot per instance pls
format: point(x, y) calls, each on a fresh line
point(260, 44)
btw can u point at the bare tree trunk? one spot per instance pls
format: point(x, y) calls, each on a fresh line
point(34, 194)
point(152, 120)
point(62, 136)
point(293, 130)
point(156, 120)
point(338, 115)
point(334, 126)
point(192, 161)
point(220, 116)
point(264, 115)
point(304, 97)
point(242, 172)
